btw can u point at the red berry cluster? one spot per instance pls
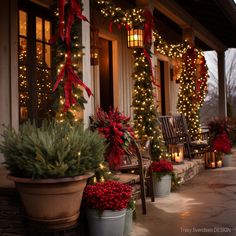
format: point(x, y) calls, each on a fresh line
point(222, 143)
point(110, 195)
point(114, 126)
point(162, 166)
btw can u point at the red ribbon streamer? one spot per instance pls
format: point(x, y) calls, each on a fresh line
point(64, 33)
point(110, 26)
point(72, 79)
point(148, 27)
point(150, 63)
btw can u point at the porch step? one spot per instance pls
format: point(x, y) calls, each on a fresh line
point(189, 169)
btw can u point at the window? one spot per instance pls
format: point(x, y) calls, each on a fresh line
point(34, 56)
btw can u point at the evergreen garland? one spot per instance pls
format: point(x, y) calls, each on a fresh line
point(60, 49)
point(146, 124)
point(192, 90)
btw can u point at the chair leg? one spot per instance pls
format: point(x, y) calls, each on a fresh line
point(143, 194)
point(151, 186)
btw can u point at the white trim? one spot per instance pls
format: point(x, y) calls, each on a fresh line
point(86, 61)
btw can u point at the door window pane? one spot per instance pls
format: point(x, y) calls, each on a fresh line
point(47, 30)
point(39, 53)
point(39, 28)
point(48, 55)
point(23, 23)
point(22, 50)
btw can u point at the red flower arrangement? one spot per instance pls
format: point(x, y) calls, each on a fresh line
point(162, 167)
point(110, 195)
point(114, 126)
point(222, 143)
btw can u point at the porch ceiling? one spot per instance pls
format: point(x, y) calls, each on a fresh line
point(217, 16)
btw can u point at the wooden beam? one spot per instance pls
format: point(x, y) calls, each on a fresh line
point(177, 14)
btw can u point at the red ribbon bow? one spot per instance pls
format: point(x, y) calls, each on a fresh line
point(72, 79)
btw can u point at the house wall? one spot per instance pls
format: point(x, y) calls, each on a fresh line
point(171, 87)
point(122, 66)
point(8, 72)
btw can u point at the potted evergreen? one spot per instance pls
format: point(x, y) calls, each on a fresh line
point(50, 166)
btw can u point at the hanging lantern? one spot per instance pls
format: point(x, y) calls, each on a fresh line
point(135, 38)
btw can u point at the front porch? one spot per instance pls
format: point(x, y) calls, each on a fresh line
point(203, 204)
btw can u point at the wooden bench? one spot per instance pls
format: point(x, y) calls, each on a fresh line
point(175, 130)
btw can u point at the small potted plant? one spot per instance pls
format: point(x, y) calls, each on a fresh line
point(163, 172)
point(114, 127)
point(106, 204)
point(222, 144)
point(50, 166)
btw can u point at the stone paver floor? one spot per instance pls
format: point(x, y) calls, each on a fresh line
point(204, 206)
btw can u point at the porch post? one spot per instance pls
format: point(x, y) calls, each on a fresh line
point(8, 74)
point(86, 61)
point(222, 85)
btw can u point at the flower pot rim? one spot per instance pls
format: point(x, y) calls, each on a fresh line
point(50, 180)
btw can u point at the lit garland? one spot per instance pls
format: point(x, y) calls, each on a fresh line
point(128, 18)
point(170, 50)
point(146, 124)
point(69, 101)
point(193, 89)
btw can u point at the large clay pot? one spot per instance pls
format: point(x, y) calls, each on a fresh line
point(52, 203)
point(162, 187)
point(109, 223)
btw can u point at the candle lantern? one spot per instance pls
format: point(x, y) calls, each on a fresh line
point(177, 153)
point(213, 160)
point(135, 38)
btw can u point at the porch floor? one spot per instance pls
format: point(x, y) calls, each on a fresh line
point(205, 205)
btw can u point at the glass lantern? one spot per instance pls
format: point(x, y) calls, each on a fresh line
point(177, 153)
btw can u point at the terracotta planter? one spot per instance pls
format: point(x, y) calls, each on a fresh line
point(52, 203)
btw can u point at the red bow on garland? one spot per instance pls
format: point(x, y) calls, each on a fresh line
point(147, 39)
point(75, 10)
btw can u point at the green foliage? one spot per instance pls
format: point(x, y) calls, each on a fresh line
point(146, 124)
point(60, 50)
point(54, 150)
